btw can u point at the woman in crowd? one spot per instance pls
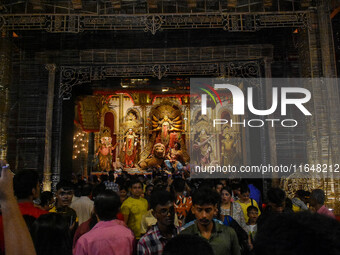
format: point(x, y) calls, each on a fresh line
point(231, 208)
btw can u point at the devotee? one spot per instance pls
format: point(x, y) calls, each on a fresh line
point(51, 235)
point(83, 205)
point(63, 201)
point(251, 227)
point(231, 208)
point(110, 182)
point(153, 242)
point(236, 188)
point(123, 193)
point(188, 245)
point(182, 203)
point(26, 188)
point(148, 219)
point(14, 231)
point(148, 191)
point(317, 201)
point(46, 201)
point(109, 235)
point(218, 187)
point(222, 239)
point(301, 233)
point(84, 228)
point(276, 204)
point(134, 207)
point(298, 201)
point(245, 201)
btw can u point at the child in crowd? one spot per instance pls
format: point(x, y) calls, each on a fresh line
point(251, 227)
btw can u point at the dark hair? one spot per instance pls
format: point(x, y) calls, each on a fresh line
point(111, 176)
point(65, 185)
point(106, 205)
point(51, 235)
point(188, 245)
point(218, 183)
point(160, 198)
point(298, 234)
point(104, 178)
point(205, 196)
point(98, 189)
point(300, 193)
point(228, 189)
point(94, 178)
point(123, 187)
point(134, 181)
point(148, 186)
point(244, 189)
point(45, 198)
point(235, 185)
point(252, 208)
point(23, 183)
point(178, 184)
point(86, 190)
point(318, 195)
point(276, 195)
point(288, 205)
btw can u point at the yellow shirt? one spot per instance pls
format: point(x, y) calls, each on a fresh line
point(134, 209)
point(244, 207)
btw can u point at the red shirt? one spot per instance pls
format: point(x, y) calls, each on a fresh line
point(26, 208)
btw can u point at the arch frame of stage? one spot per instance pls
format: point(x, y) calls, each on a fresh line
point(252, 63)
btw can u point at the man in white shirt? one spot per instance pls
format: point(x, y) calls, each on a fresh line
point(83, 205)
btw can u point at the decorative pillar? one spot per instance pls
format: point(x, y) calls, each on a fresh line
point(5, 80)
point(318, 60)
point(48, 130)
point(271, 130)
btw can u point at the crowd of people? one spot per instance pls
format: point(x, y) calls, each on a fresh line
point(160, 214)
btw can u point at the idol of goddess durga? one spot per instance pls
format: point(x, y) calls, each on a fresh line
point(166, 126)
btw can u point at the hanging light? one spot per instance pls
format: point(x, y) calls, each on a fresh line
point(305, 3)
point(77, 4)
point(152, 4)
point(231, 3)
point(267, 3)
point(192, 4)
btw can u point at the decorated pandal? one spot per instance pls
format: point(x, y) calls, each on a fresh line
point(140, 131)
